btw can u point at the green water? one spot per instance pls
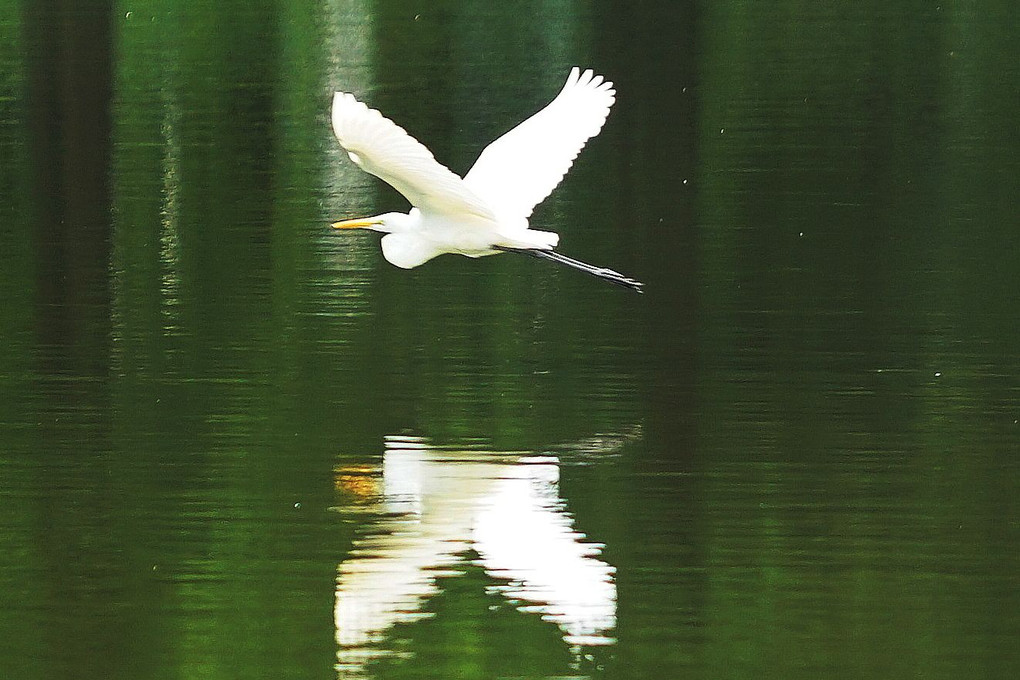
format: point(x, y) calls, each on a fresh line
point(237, 444)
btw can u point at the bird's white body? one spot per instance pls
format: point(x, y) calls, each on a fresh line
point(489, 207)
point(417, 237)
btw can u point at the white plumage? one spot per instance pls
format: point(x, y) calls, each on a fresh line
point(520, 169)
point(487, 211)
point(381, 147)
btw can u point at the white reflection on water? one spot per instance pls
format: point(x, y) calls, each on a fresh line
point(436, 505)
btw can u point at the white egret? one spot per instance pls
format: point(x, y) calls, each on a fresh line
point(487, 211)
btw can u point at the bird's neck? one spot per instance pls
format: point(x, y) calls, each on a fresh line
point(397, 222)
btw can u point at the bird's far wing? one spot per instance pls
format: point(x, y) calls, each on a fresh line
point(383, 148)
point(517, 171)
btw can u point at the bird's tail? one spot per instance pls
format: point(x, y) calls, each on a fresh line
point(598, 272)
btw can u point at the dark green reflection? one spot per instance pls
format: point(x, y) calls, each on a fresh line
point(819, 391)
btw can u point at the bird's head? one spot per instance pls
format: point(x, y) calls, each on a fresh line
point(387, 223)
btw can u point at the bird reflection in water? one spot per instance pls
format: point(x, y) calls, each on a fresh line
point(434, 510)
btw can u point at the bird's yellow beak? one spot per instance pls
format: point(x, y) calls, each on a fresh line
point(363, 223)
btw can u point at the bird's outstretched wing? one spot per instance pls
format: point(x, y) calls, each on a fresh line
point(520, 169)
point(383, 148)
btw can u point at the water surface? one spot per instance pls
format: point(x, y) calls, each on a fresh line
point(236, 444)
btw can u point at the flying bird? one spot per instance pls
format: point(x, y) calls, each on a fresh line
point(486, 212)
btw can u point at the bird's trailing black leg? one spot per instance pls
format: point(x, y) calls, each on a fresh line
point(598, 272)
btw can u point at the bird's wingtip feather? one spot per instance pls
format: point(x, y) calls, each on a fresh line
point(589, 79)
